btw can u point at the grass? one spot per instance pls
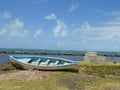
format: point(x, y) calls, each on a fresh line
point(91, 76)
point(68, 81)
point(100, 69)
point(45, 84)
point(103, 84)
point(6, 67)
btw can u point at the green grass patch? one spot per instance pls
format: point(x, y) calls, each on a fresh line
point(100, 69)
point(88, 82)
point(102, 84)
point(63, 81)
point(45, 84)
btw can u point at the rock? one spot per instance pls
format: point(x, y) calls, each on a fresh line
point(93, 57)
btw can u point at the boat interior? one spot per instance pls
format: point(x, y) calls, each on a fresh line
point(44, 61)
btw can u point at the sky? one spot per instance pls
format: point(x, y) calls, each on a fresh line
point(60, 24)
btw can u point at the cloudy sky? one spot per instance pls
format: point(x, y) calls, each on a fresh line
point(60, 24)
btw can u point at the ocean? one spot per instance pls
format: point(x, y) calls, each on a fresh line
point(68, 54)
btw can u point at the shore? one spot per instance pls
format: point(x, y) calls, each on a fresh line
point(45, 53)
point(90, 76)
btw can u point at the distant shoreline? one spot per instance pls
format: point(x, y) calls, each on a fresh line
point(45, 53)
point(39, 53)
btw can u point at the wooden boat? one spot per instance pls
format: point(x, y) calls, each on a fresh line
point(42, 62)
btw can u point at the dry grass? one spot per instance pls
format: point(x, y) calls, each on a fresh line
point(92, 76)
point(6, 67)
point(100, 69)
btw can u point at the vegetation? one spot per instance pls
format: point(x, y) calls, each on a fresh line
point(91, 76)
point(68, 81)
point(100, 68)
point(45, 84)
point(6, 67)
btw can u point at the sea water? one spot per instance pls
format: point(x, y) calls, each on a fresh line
point(4, 58)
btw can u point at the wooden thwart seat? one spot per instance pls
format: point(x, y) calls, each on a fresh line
point(57, 62)
point(66, 63)
point(29, 61)
point(36, 62)
point(45, 63)
point(39, 61)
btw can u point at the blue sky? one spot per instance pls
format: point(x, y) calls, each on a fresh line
point(60, 24)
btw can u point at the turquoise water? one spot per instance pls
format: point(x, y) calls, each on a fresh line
point(4, 57)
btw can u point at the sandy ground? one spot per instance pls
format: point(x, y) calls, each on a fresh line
point(23, 75)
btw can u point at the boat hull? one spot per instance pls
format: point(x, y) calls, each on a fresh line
point(20, 65)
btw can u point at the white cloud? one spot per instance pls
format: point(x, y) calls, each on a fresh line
point(3, 32)
point(106, 32)
point(60, 29)
point(37, 33)
point(117, 22)
point(60, 44)
point(16, 24)
point(15, 28)
point(73, 7)
point(52, 16)
point(6, 15)
point(115, 13)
